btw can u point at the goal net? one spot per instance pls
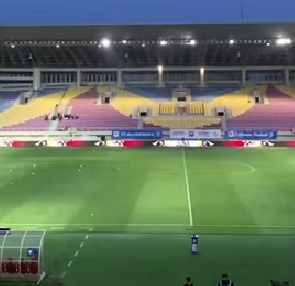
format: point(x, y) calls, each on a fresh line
point(21, 254)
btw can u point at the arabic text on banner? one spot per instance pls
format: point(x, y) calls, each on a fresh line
point(137, 134)
point(195, 133)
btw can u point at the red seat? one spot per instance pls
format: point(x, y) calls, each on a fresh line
point(11, 266)
point(33, 267)
point(24, 267)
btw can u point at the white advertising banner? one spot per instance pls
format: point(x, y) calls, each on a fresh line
point(195, 133)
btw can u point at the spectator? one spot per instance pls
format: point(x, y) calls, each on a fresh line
point(188, 282)
point(225, 281)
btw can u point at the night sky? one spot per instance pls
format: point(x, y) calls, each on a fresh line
point(118, 12)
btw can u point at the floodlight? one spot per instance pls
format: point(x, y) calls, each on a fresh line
point(231, 41)
point(160, 68)
point(124, 41)
point(12, 46)
point(57, 46)
point(192, 42)
point(163, 43)
point(106, 43)
point(283, 41)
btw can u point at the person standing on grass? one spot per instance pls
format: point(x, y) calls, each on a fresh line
point(225, 281)
point(188, 282)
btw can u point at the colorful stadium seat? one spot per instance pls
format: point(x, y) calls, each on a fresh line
point(279, 113)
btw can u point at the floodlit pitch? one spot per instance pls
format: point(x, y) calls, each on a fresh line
point(127, 217)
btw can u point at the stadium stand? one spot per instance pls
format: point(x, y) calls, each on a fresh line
point(209, 93)
point(93, 115)
point(8, 99)
point(32, 115)
point(51, 89)
point(167, 108)
point(238, 101)
point(289, 90)
point(151, 92)
point(181, 123)
point(279, 113)
point(85, 106)
point(196, 108)
point(125, 101)
point(88, 111)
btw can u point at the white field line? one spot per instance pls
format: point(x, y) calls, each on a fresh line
point(75, 255)
point(187, 188)
point(34, 225)
point(250, 167)
point(159, 225)
point(42, 276)
point(245, 226)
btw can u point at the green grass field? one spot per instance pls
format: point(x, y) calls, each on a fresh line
point(129, 213)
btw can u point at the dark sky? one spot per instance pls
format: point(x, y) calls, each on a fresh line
point(84, 12)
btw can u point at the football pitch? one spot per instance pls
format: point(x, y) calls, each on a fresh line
point(124, 216)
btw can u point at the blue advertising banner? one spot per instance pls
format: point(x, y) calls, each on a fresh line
point(250, 134)
point(137, 134)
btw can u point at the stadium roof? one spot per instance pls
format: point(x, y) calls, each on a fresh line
point(146, 32)
point(148, 46)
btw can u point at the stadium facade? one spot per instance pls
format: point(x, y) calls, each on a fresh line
point(154, 54)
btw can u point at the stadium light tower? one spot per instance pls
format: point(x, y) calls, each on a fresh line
point(283, 41)
point(105, 43)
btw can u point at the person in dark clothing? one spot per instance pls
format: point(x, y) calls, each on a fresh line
point(188, 282)
point(225, 281)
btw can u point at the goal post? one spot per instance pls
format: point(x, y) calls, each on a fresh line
point(22, 255)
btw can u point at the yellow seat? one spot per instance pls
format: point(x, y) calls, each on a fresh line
point(41, 106)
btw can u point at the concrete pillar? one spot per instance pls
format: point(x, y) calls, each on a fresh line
point(202, 77)
point(223, 123)
point(243, 77)
point(36, 79)
point(160, 75)
point(119, 78)
point(78, 77)
point(287, 76)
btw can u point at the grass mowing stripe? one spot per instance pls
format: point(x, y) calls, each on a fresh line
point(187, 188)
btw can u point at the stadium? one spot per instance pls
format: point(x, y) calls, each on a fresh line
point(90, 195)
